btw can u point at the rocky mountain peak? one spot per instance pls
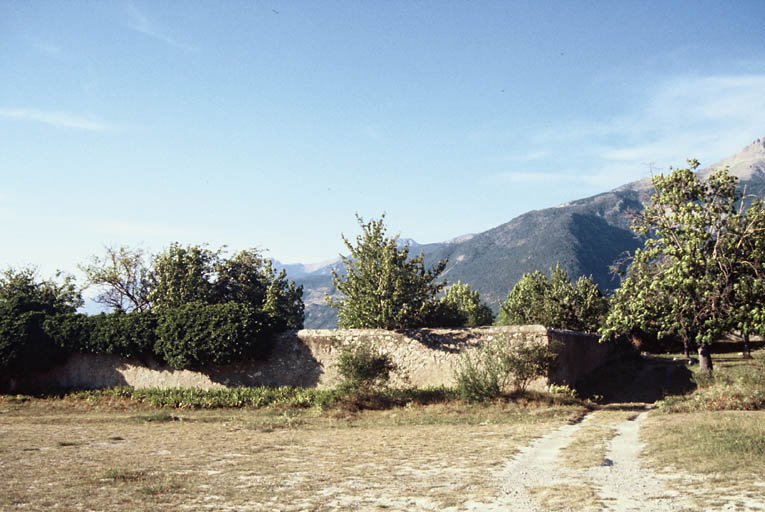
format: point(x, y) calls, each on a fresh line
point(748, 163)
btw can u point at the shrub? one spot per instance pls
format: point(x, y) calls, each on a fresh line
point(459, 307)
point(363, 367)
point(555, 302)
point(70, 331)
point(740, 387)
point(131, 334)
point(197, 334)
point(25, 303)
point(124, 334)
point(24, 344)
point(499, 365)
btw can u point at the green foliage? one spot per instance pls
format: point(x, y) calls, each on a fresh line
point(216, 310)
point(383, 287)
point(284, 303)
point(701, 262)
point(197, 334)
point(25, 346)
point(246, 396)
point(555, 302)
point(21, 291)
point(70, 331)
point(527, 302)
point(197, 274)
point(363, 367)
point(132, 334)
point(459, 307)
point(124, 334)
point(261, 396)
point(124, 278)
point(25, 303)
point(183, 275)
point(501, 364)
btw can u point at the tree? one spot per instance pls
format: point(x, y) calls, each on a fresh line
point(22, 292)
point(555, 302)
point(25, 303)
point(526, 302)
point(640, 308)
point(383, 287)
point(124, 276)
point(284, 302)
point(198, 274)
point(748, 315)
point(183, 275)
point(459, 307)
point(700, 255)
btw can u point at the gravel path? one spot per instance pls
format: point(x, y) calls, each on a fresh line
point(621, 483)
point(624, 484)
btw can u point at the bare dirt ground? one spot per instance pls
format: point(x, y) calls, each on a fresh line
point(56, 455)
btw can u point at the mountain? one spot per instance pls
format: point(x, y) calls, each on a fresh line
point(586, 236)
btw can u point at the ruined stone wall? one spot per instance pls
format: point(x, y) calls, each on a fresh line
point(425, 357)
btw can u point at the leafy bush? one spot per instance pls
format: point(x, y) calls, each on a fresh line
point(555, 302)
point(501, 364)
point(70, 331)
point(131, 334)
point(197, 274)
point(561, 389)
point(363, 367)
point(459, 307)
point(25, 303)
point(197, 334)
point(24, 344)
point(249, 396)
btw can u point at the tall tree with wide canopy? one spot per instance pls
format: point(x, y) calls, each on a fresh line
point(701, 252)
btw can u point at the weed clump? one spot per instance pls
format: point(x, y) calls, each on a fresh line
point(501, 365)
point(363, 368)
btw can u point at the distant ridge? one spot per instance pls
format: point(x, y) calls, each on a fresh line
point(585, 236)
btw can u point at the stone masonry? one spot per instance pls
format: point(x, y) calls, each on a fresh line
point(424, 357)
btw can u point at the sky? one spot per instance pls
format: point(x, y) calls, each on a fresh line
point(269, 124)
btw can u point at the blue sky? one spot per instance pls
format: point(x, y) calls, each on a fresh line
point(269, 124)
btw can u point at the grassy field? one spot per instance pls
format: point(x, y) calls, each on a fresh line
point(73, 455)
point(716, 433)
point(113, 450)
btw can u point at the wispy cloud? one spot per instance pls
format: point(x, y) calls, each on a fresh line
point(56, 118)
point(707, 118)
point(603, 177)
point(139, 22)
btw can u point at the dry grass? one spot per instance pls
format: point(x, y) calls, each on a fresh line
point(590, 443)
point(721, 452)
point(562, 496)
point(711, 436)
point(129, 458)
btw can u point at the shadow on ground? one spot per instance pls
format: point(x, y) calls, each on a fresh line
point(643, 379)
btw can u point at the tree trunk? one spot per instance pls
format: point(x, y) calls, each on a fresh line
point(747, 353)
point(686, 347)
point(705, 358)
